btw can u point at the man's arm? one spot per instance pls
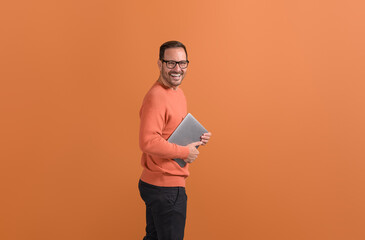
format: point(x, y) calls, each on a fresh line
point(152, 117)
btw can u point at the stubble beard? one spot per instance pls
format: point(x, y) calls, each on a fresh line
point(167, 78)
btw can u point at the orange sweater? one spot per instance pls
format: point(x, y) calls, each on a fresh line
point(162, 111)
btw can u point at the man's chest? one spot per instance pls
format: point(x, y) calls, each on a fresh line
point(174, 114)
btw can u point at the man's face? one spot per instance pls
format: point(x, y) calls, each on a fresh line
point(172, 77)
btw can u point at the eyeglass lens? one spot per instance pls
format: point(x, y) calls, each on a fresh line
point(172, 64)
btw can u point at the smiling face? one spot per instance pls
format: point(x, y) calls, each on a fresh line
point(172, 78)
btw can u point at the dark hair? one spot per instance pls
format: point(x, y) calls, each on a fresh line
point(171, 44)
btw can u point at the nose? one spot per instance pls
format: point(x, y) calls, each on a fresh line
point(177, 67)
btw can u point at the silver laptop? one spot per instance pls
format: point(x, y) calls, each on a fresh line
point(188, 131)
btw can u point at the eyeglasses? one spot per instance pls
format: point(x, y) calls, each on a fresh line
point(172, 64)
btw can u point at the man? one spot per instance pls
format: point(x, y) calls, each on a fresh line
point(162, 183)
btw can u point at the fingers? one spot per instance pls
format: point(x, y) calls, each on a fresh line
point(209, 134)
point(197, 143)
point(189, 160)
point(205, 137)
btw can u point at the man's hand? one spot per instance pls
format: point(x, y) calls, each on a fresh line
point(193, 152)
point(205, 138)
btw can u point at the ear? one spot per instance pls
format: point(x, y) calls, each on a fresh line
point(159, 63)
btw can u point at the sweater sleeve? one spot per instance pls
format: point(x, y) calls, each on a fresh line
point(152, 115)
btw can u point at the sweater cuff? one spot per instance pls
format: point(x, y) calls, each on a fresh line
point(184, 152)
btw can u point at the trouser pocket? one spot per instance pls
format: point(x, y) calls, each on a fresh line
point(172, 195)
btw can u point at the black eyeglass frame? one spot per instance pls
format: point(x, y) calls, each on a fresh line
point(187, 63)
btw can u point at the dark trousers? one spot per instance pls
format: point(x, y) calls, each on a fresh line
point(165, 211)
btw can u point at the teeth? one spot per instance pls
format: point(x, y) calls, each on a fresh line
point(175, 75)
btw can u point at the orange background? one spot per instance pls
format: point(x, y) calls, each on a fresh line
point(280, 84)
